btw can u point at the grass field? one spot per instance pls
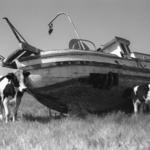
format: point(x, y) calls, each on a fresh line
point(35, 131)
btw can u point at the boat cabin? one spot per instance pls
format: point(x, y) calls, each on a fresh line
point(119, 47)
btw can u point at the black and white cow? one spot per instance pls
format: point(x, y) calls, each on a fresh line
point(12, 87)
point(141, 97)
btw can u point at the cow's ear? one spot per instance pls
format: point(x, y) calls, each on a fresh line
point(26, 73)
point(10, 76)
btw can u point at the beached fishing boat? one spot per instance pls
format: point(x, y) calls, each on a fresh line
point(81, 78)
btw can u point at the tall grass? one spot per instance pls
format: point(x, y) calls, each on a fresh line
point(34, 130)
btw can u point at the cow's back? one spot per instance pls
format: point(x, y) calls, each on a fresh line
point(3, 84)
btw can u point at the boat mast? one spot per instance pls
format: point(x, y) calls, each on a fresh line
point(70, 21)
point(23, 43)
point(19, 37)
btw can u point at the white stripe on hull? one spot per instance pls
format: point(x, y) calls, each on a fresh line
point(47, 72)
point(49, 76)
point(78, 55)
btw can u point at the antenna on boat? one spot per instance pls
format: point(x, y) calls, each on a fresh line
point(50, 28)
point(19, 37)
point(50, 25)
point(70, 20)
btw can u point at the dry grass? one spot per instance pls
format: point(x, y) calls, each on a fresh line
point(34, 130)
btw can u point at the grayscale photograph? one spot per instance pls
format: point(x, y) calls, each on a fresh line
point(74, 74)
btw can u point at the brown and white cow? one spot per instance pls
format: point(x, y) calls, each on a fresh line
point(12, 87)
point(141, 97)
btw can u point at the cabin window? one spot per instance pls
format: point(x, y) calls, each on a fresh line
point(126, 50)
point(104, 81)
point(123, 48)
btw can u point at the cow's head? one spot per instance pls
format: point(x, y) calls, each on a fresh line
point(18, 79)
point(13, 79)
point(21, 77)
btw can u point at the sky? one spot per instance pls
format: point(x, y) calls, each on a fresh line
point(96, 20)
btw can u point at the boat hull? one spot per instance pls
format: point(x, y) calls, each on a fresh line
point(79, 79)
point(84, 86)
point(77, 97)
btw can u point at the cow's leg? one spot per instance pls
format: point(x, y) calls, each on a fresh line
point(143, 108)
point(1, 107)
point(1, 110)
point(6, 108)
point(17, 104)
point(135, 105)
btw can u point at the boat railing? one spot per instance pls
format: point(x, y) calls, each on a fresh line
point(86, 44)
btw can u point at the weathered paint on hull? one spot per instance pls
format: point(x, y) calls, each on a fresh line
point(71, 87)
point(78, 97)
point(69, 79)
